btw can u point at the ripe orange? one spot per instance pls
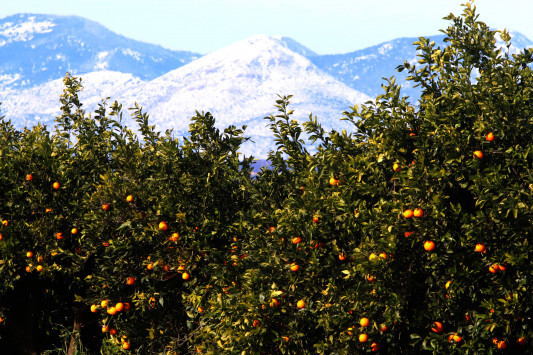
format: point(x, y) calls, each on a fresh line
point(105, 207)
point(333, 181)
point(502, 267)
point(407, 234)
point(256, 323)
point(150, 266)
point(342, 256)
point(130, 281)
point(185, 276)
point(1, 237)
point(163, 226)
point(40, 259)
point(59, 236)
point(174, 237)
point(285, 338)
point(39, 268)
point(396, 167)
point(119, 306)
point(429, 245)
point(29, 177)
point(375, 347)
point(521, 341)
point(129, 198)
point(125, 345)
point(29, 254)
point(502, 344)
point(448, 284)
point(28, 268)
point(315, 219)
point(127, 306)
point(300, 304)
point(437, 327)
point(494, 268)
point(200, 309)
point(457, 338)
point(105, 328)
point(94, 308)
point(489, 137)
point(274, 303)
point(418, 212)
point(294, 267)
point(74, 231)
point(112, 331)
point(408, 213)
point(372, 256)
point(5, 222)
point(56, 186)
point(370, 278)
point(480, 248)
point(363, 338)
point(111, 310)
point(364, 322)
point(383, 328)
point(296, 240)
point(383, 255)
point(478, 154)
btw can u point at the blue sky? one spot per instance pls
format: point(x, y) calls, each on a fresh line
point(325, 26)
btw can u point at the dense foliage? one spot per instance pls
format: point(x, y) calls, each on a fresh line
point(409, 234)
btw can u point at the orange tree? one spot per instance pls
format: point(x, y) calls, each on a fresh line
point(411, 234)
point(102, 227)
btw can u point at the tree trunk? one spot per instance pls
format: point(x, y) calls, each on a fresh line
point(75, 336)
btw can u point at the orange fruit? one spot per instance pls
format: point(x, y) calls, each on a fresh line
point(256, 323)
point(294, 267)
point(521, 341)
point(105, 328)
point(494, 268)
point(111, 310)
point(383, 255)
point(125, 345)
point(300, 304)
point(418, 212)
point(383, 328)
point(372, 256)
point(150, 266)
point(502, 344)
point(40, 259)
point(437, 327)
point(448, 284)
point(5, 222)
point(363, 338)
point(407, 234)
point(375, 347)
point(185, 276)
point(174, 237)
point(429, 245)
point(94, 308)
point(130, 281)
point(315, 219)
point(478, 154)
point(502, 267)
point(396, 167)
point(342, 256)
point(74, 231)
point(408, 213)
point(1, 237)
point(29, 254)
point(489, 137)
point(296, 240)
point(333, 181)
point(457, 338)
point(119, 306)
point(127, 306)
point(364, 322)
point(29, 177)
point(105, 207)
point(28, 268)
point(163, 226)
point(56, 185)
point(129, 198)
point(370, 278)
point(59, 236)
point(274, 303)
point(39, 268)
point(112, 331)
point(285, 338)
point(200, 309)
point(480, 248)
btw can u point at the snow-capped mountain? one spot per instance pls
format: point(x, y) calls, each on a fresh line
point(364, 69)
point(38, 48)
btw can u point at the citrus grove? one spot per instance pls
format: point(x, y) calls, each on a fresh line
point(409, 234)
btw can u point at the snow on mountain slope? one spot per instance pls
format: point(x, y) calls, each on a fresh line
point(37, 48)
point(239, 84)
point(41, 103)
